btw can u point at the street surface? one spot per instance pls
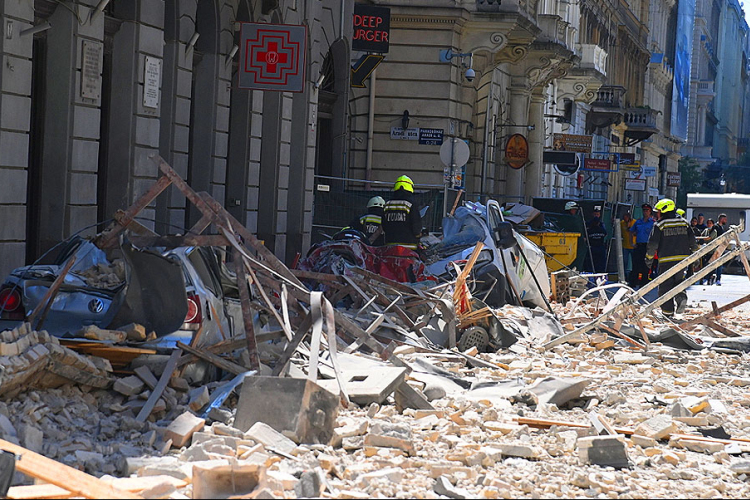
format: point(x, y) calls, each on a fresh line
point(732, 288)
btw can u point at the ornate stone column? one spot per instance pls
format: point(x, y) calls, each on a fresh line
point(536, 146)
point(519, 115)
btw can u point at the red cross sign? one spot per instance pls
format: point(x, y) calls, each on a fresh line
point(272, 57)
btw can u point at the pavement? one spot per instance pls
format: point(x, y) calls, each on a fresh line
point(732, 288)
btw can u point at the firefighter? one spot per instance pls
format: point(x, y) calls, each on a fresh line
point(674, 240)
point(571, 207)
point(402, 223)
point(370, 223)
point(681, 213)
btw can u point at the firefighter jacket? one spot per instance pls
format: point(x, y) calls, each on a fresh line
point(402, 223)
point(369, 224)
point(673, 239)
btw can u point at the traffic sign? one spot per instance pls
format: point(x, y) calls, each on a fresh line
point(363, 68)
point(454, 153)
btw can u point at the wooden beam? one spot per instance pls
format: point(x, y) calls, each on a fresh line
point(720, 310)
point(109, 235)
point(160, 386)
point(53, 472)
point(718, 244)
point(219, 217)
point(38, 491)
point(401, 287)
point(229, 345)
point(45, 304)
point(687, 283)
point(215, 360)
point(299, 335)
point(247, 313)
point(188, 240)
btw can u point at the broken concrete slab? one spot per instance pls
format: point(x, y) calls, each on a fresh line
point(558, 391)
point(270, 437)
point(368, 385)
point(129, 386)
point(444, 487)
point(298, 408)
point(181, 430)
point(658, 427)
point(222, 479)
point(607, 451)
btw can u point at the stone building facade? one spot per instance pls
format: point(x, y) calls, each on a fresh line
point(719, 105)
point(77, 130)
point(542, 67)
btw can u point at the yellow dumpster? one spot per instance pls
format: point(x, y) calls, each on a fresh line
point(560, 249)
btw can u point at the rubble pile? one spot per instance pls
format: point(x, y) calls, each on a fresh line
point(352, 385)
point(106, 276)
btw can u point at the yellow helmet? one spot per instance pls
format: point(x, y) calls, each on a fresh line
point(680, 212)
point(405, 183)
point(665, 205)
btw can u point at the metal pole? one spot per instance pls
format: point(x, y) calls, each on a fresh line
point(618, 247)
point(536, 282)
point(586, 233)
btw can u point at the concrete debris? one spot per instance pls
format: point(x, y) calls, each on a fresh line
point(371, 398)
point(298, 408)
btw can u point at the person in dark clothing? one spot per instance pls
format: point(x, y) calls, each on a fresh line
point(642, 230)
point(701, 222)
point(370, 223)
point(673, 239)
point(402, 222)
point(721, 228)
point(597, 235)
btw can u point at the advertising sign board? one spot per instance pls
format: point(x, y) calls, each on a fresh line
point(682, 62)
point(372, 25)
point(517, 151)
point(635, 184)
point(572, 142)
point(272, 57)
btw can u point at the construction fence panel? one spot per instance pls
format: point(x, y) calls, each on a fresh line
point(337, 202)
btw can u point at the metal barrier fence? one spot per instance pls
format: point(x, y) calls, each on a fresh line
point(338, 201)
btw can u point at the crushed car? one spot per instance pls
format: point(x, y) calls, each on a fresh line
point(507, 256)
point(171, 292)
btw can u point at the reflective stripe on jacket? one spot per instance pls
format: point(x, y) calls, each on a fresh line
point(402, 223)
point(672, 238)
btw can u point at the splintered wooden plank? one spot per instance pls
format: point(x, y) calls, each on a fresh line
point(70, 479)
point(159, 388)
point(371, 384)
point(40, 491)
point(106, 238)
point(49, 296)
point(215, 360)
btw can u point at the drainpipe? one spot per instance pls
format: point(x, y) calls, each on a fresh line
point(490, 98)
point(370, 127)
point(341, 30)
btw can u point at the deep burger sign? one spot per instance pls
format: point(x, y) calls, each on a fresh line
point(371, 28)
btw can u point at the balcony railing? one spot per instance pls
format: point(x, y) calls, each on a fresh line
point(593, 57)
point(609, 96)
point(640, 118)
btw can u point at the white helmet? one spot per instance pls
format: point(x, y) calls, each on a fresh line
point(376, 201)
point(570, 205)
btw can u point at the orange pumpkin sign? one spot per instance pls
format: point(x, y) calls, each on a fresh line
point(517, 151)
